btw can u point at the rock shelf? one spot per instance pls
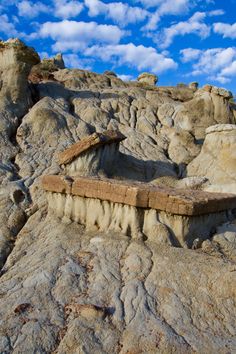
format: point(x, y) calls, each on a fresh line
point(90, 143)
point(141, 195)
point(136, 209)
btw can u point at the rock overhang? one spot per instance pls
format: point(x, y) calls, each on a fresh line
point(89, 143)
point(141, 195)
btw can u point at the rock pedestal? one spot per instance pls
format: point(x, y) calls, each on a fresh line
point(95, 154)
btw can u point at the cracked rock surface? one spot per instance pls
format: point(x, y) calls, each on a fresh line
point(65, 290)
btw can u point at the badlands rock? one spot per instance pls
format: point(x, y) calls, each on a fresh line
point(67, 290)
point(136, 209)
point(148, 78)
point(204, 110)
point(44, 69)
point(16, 60)
point(96, 154)
point(217, 159)
point(193, 85)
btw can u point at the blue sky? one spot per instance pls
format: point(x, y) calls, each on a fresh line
point(179, 40)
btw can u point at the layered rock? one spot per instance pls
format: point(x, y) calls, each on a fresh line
point(135, 209)
point(67, 290)
point(96, 154)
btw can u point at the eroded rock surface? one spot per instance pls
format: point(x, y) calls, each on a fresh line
point(217, 160)
point(66, 290)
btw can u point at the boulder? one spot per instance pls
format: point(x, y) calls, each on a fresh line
point(147, 78)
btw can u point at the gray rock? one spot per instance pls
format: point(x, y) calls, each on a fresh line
point(66, 290)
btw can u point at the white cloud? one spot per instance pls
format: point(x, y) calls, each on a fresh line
point(59, 8)
point(67, 9)
point(117, 11)
point(218, 12)
point(139, 57)
point(150, 3)
point(190, 54)
point(215, 60)
point(125, 77)
point(73, 35)
point(230, 70)
point(30, 9)
point(194, 25)
point(219, 64)
point(43, 55)
point(73, 61)
point(165, 7)
point(7, 27)
point(225, 29)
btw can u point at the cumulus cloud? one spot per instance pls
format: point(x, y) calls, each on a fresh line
point(7, 27)
point(139, 57)
point(74, 35)
point(59, 8)
point(67, 9)
point(117, 11)
point(165, 7)
point(229, 70)
point(30, 9)
point(194, 25)
point(124, 77)
point(225, 29)
point(150, 3)
point(190, 54)
point(218, 12)
point(219, 64)
point(72, 60)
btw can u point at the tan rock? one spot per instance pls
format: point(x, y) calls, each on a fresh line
point(141, 195)
point(148, 78)
point(91, 142)
point(217, 160)
point(193, 85)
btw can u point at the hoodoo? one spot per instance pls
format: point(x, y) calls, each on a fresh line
point(132, 208)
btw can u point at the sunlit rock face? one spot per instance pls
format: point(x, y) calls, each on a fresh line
point(147, 78)
point(217, 159)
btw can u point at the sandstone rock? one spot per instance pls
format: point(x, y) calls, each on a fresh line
point(204, 110)
point(193, 85)
point(217, 159)
point(44, 70)
point(141, 195)
point(207, 88)
point(152, 297)
point(148, 78)
point(16, 60)
point(221, 92)
point(182, 148)
point(110, 73)
point(92, 142)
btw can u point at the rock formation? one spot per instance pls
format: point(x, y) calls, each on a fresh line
point(68, 289)
point(217, 159)
point(147, 78)
point(95, 154)
point(136, 209)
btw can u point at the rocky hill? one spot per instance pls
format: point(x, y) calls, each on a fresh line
point(67, 287)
